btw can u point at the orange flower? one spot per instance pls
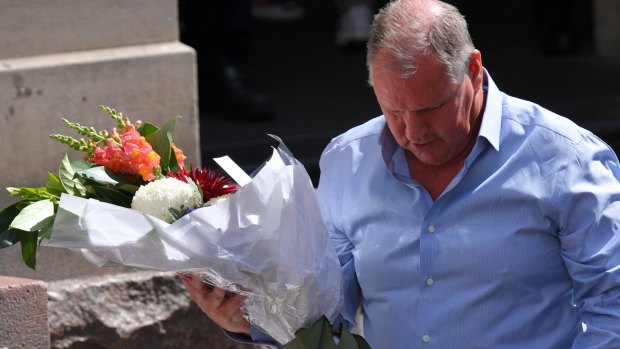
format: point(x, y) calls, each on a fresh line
point(128, 153)
point(178, 153)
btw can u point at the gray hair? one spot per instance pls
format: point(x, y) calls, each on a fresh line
point(407, 28)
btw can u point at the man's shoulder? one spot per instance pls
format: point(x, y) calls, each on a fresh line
point(532, 116)
point(371, 131)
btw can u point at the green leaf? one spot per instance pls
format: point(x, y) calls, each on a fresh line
point(29, 248)
point(349, 340)
point(8, 238)
point(67, 178)
point(81, 165)
point(317, 336)
point(7, 215)
point(112, 195)
point(46, 229)
point(161, 141)
point(146, 129)
point(34, 216)
point(102, 175)
point(53, 185)
point(320, 335)
point(129, 188)
point(31, 194)
point(99, 175)
point(178, 212)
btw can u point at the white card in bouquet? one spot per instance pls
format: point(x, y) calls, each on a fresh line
point(233, 170)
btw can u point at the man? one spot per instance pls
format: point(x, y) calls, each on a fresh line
point(463, 217)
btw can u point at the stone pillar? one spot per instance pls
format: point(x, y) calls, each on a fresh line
point(607, 27)
point(23, 306)
point(64, 58)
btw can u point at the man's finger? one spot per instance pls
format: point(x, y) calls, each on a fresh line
point(235, 301)
point(218, 295)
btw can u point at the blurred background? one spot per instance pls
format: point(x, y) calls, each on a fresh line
point(309, 86)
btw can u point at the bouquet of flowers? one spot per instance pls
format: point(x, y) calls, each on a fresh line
point(132, 201)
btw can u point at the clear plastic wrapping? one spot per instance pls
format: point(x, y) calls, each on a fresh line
point(267, 241)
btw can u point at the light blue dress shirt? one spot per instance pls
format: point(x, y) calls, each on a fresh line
point(520, 249)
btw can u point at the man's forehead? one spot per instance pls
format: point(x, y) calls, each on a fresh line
point(396, 93)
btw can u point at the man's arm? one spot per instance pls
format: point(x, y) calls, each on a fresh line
point(590, 241)
point(329, 195)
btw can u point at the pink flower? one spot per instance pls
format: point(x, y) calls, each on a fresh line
point(128, 153)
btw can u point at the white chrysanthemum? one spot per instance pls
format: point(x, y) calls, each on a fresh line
point(217, 200)
point(157, 197)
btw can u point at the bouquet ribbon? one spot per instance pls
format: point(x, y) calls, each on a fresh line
point(321, 336)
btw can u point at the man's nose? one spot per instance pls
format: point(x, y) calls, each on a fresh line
point(415, 126)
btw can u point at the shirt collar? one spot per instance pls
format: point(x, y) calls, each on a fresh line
point(492, 115)
point(393, 155)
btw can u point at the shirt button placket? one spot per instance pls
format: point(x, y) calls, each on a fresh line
point(431, 229)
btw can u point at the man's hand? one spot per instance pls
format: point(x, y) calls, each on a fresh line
point(224, 311)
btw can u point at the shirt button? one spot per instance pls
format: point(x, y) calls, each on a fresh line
point(429, 282)
point(426, 338)
point(431, 228)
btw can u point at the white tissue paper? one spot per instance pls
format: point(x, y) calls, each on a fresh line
point(267, 241)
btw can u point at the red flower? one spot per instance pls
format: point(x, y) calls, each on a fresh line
point(212, 183)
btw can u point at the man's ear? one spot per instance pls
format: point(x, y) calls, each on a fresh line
point(475, 70)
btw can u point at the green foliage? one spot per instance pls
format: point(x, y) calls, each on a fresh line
point(29, 248)
point(68, 181)
point(120, 120)
point(79, 145)
point(34, 217)
point(178, 213)
point(320, 335)
point(112, 195)
point(8, 237)
point(161, 141)
point(32, 194)
point(30, 220)
point(89, 132)
point(26, 226)
point(100, 175)
point(53, 185)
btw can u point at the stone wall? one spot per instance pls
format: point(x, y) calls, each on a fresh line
point(62, 59)
point(139, 310)
point(23, 314)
